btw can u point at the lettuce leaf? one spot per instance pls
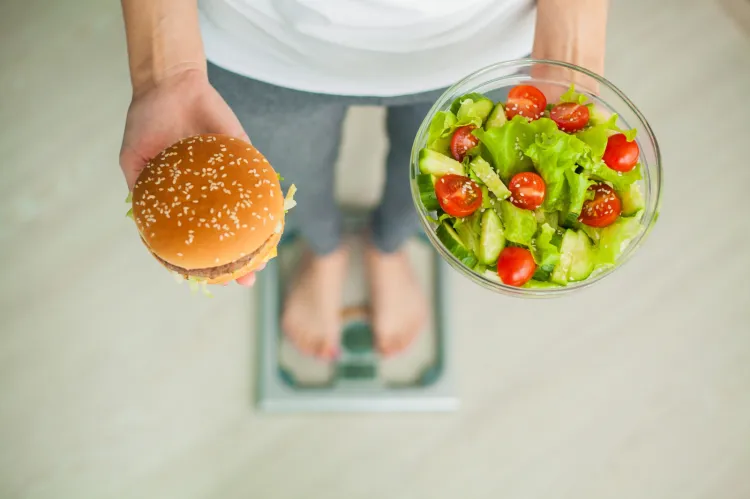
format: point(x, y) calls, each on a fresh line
point(441, 126)
point(195, 284)
point(578, 190)
point(440, 219)
point(289, 201)
point(596, 136)
point(440, 131)
point(546, 254)
point(572, 96)
point(620, 181)
point(506, 144)
point(129, 200)
point(553, 153)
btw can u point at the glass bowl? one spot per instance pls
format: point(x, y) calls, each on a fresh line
point(551, 76)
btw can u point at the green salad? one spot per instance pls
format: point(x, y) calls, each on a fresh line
point(532, 194)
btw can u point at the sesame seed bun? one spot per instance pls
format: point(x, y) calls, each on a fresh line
point(209, 207)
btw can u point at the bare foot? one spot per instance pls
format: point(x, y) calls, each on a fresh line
point(399, 308)
point(312, 310)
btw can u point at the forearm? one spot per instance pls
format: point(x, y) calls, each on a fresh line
point(163, 38)
point(572, 31)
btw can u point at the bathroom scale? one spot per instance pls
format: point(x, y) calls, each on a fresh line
point(419, 379)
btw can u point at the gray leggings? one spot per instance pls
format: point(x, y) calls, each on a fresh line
point(300, 132)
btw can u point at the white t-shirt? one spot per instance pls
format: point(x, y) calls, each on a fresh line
point(364, 47)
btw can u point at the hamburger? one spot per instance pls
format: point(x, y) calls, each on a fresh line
point(210, 208)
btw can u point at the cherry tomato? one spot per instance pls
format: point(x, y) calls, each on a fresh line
point(458, 196)
point(527, 101)
point(527, 190)
point(515, 266)
point(604, 209)
point(462, 141)
point(621, 155)
point(569, 116)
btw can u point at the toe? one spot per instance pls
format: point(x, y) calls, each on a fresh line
point(387, 345)
point(330, 349)
point(398, 344)
point(296, 336)
point(316, 347)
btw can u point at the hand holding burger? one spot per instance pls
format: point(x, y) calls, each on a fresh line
point(210, 208)
point(182, 105)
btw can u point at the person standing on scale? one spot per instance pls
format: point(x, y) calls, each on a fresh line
point(282, 74)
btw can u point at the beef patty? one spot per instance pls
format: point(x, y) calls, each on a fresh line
point(214, 272)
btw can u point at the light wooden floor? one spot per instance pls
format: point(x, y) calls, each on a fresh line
point(113, 384)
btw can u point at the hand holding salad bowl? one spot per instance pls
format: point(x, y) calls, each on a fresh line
point(531, 197)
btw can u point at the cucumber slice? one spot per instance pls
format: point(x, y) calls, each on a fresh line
point(453, 243)
point(491, 238)
point(487, 201)
point(552, 218)
point(491, 274)
point(632, 200)
point(567, 248)
point(520, 225)
point(593, 233)
point(577, 258)
point(434, 163)
point(583, 260)
point(426, 186)
point(497, 117)
point(457, 102)
point(472, 109)
point(441, 145)
point(535, 284)
point(468, 234)
point(615, 238)
point(487, 175)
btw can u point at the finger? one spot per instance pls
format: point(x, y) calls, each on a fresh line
point(225, 121)
point(246, 280)
point(132, 165)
